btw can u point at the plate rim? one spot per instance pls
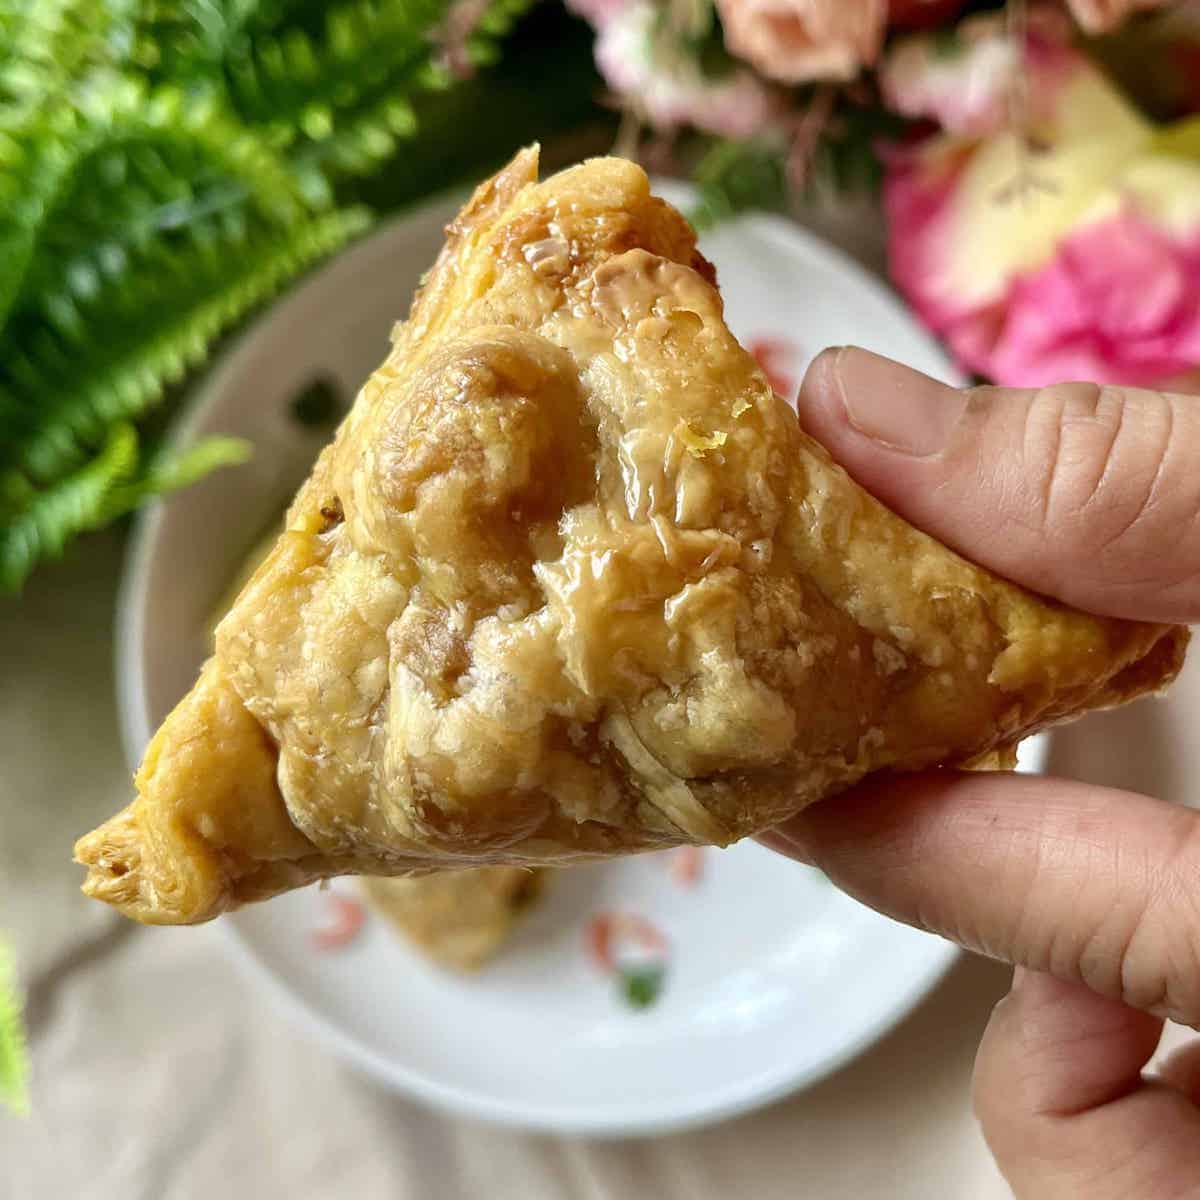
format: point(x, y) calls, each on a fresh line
point(131, 621)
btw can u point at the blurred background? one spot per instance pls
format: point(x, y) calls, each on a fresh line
point(1024, 178)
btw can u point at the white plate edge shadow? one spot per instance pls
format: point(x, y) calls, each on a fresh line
point(136, 729)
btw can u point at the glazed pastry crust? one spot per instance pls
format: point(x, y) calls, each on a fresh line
point(460, 919)
point(571, 582)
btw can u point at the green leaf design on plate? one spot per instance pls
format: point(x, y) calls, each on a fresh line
point(642, 985)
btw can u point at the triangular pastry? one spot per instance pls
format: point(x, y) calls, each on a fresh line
point(571, 582)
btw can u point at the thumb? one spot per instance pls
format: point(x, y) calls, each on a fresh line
point(1089, 494)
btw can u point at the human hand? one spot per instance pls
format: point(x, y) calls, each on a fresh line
point(1092, 496)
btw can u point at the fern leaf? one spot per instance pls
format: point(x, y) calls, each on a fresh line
point(186, 40)
point(50, 518)
point(40, 523)
point(30, 170)
point(95, 184)
point(174, 470)
point(296, 84)
point(497, 21)
point(157, 327)
point(369, 134)
point(44, 44)
point(14, 1059)
point(363, 129)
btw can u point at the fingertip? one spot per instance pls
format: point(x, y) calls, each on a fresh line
point(819, 403)
point(823, 369)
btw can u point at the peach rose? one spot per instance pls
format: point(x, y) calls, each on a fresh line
point(796, 41)
point(658, 77)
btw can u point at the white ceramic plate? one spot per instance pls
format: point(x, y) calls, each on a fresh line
point(774, 977)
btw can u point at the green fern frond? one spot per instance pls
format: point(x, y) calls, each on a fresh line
point(483, 46)
point(176, 469)
point(189, 39)
point(14, 1058)
point(50, 518)
point(87, 189)
point(333, 85)
point(45, 44)
point(287, 81)
point(159, 324)
point(35, 525)
point(363, 129)
point(365, 137)
point(31, 165)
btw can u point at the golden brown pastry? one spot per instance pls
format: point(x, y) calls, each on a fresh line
point(459, 919)
point(571, 582)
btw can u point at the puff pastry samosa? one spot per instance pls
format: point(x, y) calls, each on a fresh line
point(571, 582)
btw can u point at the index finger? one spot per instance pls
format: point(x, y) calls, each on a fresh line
point(1089, 884)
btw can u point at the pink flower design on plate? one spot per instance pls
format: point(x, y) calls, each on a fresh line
point(776, 356)
point(347, 918)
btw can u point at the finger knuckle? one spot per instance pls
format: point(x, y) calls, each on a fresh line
point(1111, 484)
point(1136, 470)
point(1071, 443)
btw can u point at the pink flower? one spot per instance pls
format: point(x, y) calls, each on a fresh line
point(965, 80)
point(1099, 16)
point(795, 41)
point(663, 82)
point(1078, 259)
point(1119, 302)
